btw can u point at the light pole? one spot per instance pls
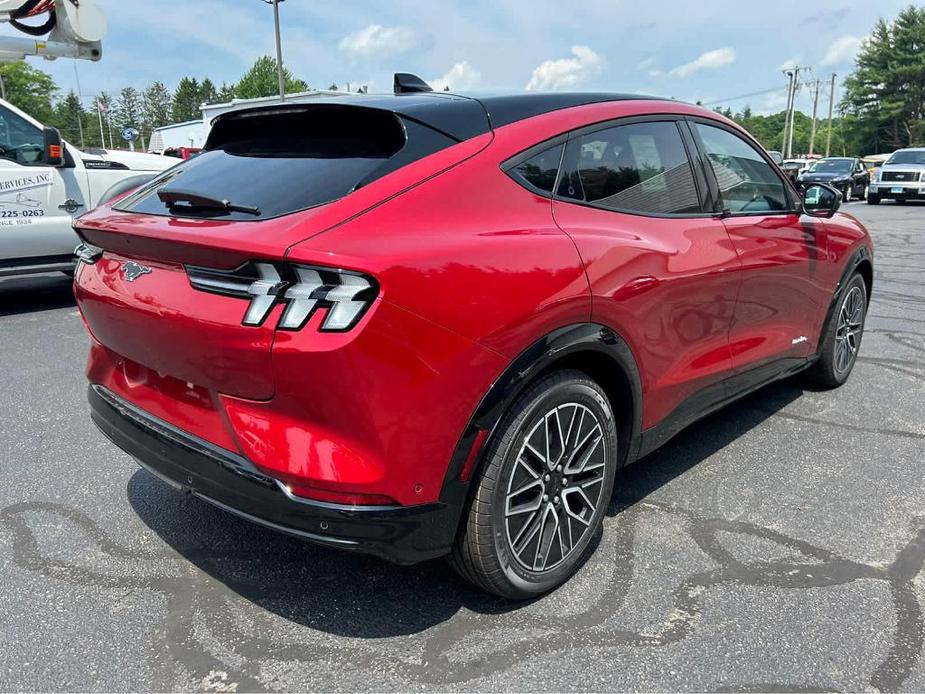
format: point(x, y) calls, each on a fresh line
point(279, 49)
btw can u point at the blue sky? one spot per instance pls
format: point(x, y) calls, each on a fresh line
point(710, 50)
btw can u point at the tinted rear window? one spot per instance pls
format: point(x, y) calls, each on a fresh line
point(284, 160)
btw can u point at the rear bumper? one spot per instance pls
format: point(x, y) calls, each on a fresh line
point(402, 534)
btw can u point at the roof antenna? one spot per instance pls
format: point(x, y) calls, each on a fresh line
point(406, 83)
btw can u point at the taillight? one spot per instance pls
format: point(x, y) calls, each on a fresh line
point(303, 289)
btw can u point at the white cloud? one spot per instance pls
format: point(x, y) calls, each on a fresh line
point(566, 72)
point(378, 41)
point(460, 77)
point(711, 60)
point(790, 63)
point(842, 51)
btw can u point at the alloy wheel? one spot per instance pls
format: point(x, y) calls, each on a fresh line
point(848, 330)
point(555, 487)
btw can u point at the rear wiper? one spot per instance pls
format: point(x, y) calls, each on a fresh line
point(173, 196)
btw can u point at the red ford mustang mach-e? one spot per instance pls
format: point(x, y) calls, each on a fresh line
point(431, 324)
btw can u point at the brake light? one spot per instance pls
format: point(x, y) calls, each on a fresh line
point(303, 289)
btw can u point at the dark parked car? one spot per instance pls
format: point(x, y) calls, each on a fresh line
point(847, 174)
point(437, 324)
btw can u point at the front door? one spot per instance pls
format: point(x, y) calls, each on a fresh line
point(37, 202)
point(783, 293)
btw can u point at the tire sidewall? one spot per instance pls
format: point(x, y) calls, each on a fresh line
point(856, 281)
point(585, 393)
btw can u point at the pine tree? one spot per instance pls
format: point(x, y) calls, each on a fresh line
point(885, 95)
point(225, 94)
point(156, 105)
point(208, 94)
point(186, 100)
point(128, 111)
point(69, 117)
point(262, 80)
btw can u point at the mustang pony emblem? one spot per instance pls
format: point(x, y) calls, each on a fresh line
point(132, 271)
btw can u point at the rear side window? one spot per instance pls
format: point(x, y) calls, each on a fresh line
point(747, 182)
point(539, 171)
point(638, 167)
point(274, 162)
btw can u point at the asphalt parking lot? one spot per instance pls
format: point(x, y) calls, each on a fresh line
point(777, 545)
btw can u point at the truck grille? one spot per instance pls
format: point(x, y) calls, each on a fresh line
point(903, 176)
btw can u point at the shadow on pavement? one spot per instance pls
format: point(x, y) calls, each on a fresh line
point(353, 595)
point(35, 293)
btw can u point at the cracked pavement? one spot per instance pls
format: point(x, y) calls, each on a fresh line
point(776, 545)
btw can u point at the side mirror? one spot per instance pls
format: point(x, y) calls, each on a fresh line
point(53, 147)
point(820, 200)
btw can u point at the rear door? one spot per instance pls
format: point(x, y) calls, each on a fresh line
point(662, 269)
point(36, 201)
point(783, 293)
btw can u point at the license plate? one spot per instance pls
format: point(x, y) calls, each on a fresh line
point(896, 190)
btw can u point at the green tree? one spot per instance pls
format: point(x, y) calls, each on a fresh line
point(885, 94)
point(225, 94)
point(128, 111)
point(187, 100)
point(208, 94)
point(29, 89)
point(262, 80)
point(156, 104)
point(70, 119)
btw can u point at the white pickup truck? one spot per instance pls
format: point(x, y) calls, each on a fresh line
point(45, 183)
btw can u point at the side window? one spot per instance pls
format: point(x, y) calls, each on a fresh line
point(639, 167)
point(746, 181)
point(20, 141)
point(539, 171)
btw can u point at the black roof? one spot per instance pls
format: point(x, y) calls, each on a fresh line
point(461, 116)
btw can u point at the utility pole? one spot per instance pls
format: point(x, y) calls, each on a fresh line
point(812, 137)
point(828, 139)
point(793, 100)
point(783, 144)
point(279, 49)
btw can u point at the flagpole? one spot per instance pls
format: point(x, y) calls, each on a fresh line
point(99, 112)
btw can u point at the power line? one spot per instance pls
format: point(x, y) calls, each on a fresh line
point(745, 96)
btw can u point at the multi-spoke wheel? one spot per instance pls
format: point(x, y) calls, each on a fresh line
point(544, 489)
point(848, 329)
point(841, 338)
point(555, 486)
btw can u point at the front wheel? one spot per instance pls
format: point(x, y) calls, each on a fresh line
point(542, 495)
point(873, 198)
point(846, 193)
point(842, 337)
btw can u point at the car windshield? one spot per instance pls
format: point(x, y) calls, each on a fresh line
point(831, 166)
point(908, 157)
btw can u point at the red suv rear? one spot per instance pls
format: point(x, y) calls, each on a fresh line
point(430, 323)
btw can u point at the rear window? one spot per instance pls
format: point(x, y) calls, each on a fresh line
point(259, 165)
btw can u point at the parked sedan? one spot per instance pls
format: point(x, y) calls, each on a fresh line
point(403, 326)
point(847, 174)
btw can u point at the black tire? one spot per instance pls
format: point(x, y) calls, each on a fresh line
point(846, 193)
point(900, 201)
point(873, 198)
point(835, 364)
point(495, 544)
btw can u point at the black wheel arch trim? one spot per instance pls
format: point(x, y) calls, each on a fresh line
point(859, 256)
point(535, 359)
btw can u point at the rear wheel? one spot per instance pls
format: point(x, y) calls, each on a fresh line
point(546, 484)
point(846, 193)
point(842, 337)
